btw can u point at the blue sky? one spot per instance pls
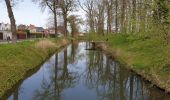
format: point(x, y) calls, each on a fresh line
point(26, 12)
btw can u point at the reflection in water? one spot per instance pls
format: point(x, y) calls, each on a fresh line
point(77, 74)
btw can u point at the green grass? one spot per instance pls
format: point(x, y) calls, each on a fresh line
point(17, 59)
point(145, 54)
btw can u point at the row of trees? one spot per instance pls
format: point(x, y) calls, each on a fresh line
point(125, 16)
point(108, 16)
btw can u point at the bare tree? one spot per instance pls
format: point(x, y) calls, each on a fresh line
point(66, 6)
point(88, 7)
point(130, 16)
point(109, 11)
point(133, 15)
point(53, 6)
point(123, 8)
point(100, 8)
point(116, 15)
point(12, 20)
point(74, 29)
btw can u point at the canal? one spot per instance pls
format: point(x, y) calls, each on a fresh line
point(75, 73)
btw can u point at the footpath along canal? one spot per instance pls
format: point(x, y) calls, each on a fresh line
point(76, 73)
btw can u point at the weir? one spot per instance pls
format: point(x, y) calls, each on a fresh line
point(94, 44)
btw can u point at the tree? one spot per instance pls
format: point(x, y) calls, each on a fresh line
point(123, 7)
point(53, 6)
point(100, 8)
point(88, 7)
point(12, 20)
point(116, 15)
point(74, 24)
point(161, 16)
point(130, 16)
point(133, 15)
point(66, 6)
point(109, 11)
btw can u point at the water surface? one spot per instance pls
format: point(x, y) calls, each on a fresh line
point(78, 74)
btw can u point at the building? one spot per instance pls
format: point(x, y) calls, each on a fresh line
point(5, 31)
point(36, 32)
point(60, 31)
point(39, 29)
point(22, 31)
point(32, 28)
point(21, 34)
point(22, 27)
point(5, 27)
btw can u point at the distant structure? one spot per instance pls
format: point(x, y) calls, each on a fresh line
point(28, 31)
point(22, 27)
point(32, 28)
point(60, 31)
point(5, 31)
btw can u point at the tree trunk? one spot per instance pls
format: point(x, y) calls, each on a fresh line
point(123, 16)
point(55, 2)
point(56, 77)
point(91, 22)
point(134, 16)
point(55, 23)
point(109, 20)
point(65, 25)
point(16, 94)
point(131, 87)
point(109, 9)
point(12, 20)
point(116, 16)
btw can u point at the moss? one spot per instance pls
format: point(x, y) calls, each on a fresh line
point(17, 59)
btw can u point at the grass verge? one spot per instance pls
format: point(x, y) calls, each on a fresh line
point(17, 59)
point(146, 55)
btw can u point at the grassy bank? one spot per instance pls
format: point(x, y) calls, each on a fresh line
point(146, 55)
point(17, 59)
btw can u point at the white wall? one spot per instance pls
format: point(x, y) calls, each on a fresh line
point(6, 34)
point(4, 27)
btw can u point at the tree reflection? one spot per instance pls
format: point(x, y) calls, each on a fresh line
point(60, 79)
point(16, 94)
point(74, 48)
point(112, 81)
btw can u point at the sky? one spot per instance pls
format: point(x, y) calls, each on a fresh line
point(25, 12)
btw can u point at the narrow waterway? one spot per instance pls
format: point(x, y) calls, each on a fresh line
point(79, 74)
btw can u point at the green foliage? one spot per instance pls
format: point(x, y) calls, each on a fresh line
point(161, 11)
point(73, 20)
point(161, 17)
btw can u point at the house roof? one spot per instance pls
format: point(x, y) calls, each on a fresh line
point(31, 26)
point(39, 29)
